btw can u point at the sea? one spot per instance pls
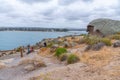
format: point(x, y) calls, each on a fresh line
point(13, 39)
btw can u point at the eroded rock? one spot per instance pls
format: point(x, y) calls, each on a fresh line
point(95, 47)
point(116, 44)
point(29, 68)
point(98, 46)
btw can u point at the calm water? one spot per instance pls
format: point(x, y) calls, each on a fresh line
point(10, 40)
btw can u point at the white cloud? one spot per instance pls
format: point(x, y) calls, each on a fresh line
point(56, 13)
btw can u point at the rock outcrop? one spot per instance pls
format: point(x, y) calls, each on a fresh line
point(103, 27)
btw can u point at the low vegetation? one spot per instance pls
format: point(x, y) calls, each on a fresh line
point(72, 58)
point(107, 41)
point(91, 40)
point(50, 44)
point(115, 36)
point(35, 62)
point(60, 51)
point(18, 49)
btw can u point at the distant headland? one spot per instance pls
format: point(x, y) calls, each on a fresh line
point(39, 29)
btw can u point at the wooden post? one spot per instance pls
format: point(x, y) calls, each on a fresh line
point(21, 52)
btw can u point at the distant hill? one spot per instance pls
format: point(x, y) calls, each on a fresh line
point(38, 29)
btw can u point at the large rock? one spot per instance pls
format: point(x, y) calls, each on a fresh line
point(73, 44)
point(66, 44)
point(105, 26)
point(29, 68)
point(55, 46)
point(39, 63)
point(116, 44)
point(95, 47)
point(56, 41)
point(98, 46)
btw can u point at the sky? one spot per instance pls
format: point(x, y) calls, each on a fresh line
point(56, 13)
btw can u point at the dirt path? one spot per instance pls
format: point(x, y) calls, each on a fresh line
point(18, 72)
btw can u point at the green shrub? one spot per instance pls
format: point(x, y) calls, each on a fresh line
point(107, 41)
point(60, 51)
point(72, 58)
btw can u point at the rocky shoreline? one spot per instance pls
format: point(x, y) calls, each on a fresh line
point(78, 57)
point(40, 44)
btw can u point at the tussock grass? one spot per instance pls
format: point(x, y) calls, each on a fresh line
point(115, 37)
point(91, 40)
point(72, 58)
point(60, 51)
point(107, 41)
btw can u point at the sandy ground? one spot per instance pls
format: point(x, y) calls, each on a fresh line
point(13, 71)
point(94, 65)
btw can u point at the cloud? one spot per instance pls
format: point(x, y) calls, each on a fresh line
point(56, 13)
point(66, 2)
point(34, 1)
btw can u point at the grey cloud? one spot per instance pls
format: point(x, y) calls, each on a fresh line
point(5, 8)
point(48, 12)
point(87, 0)
point(76, 15)
point(62, 14)
point(34, 1)
point(66, 2)
point(14, 15)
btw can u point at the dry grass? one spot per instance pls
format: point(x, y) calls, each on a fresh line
point(25, 61)
point(99, 58)
point(46, 76)
point(115, 71)
point(36, 61)
point(44, 51)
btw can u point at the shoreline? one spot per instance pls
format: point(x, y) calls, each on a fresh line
point(43, 61)
point(41, 41)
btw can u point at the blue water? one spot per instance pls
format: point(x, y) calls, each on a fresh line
point(12, 39)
